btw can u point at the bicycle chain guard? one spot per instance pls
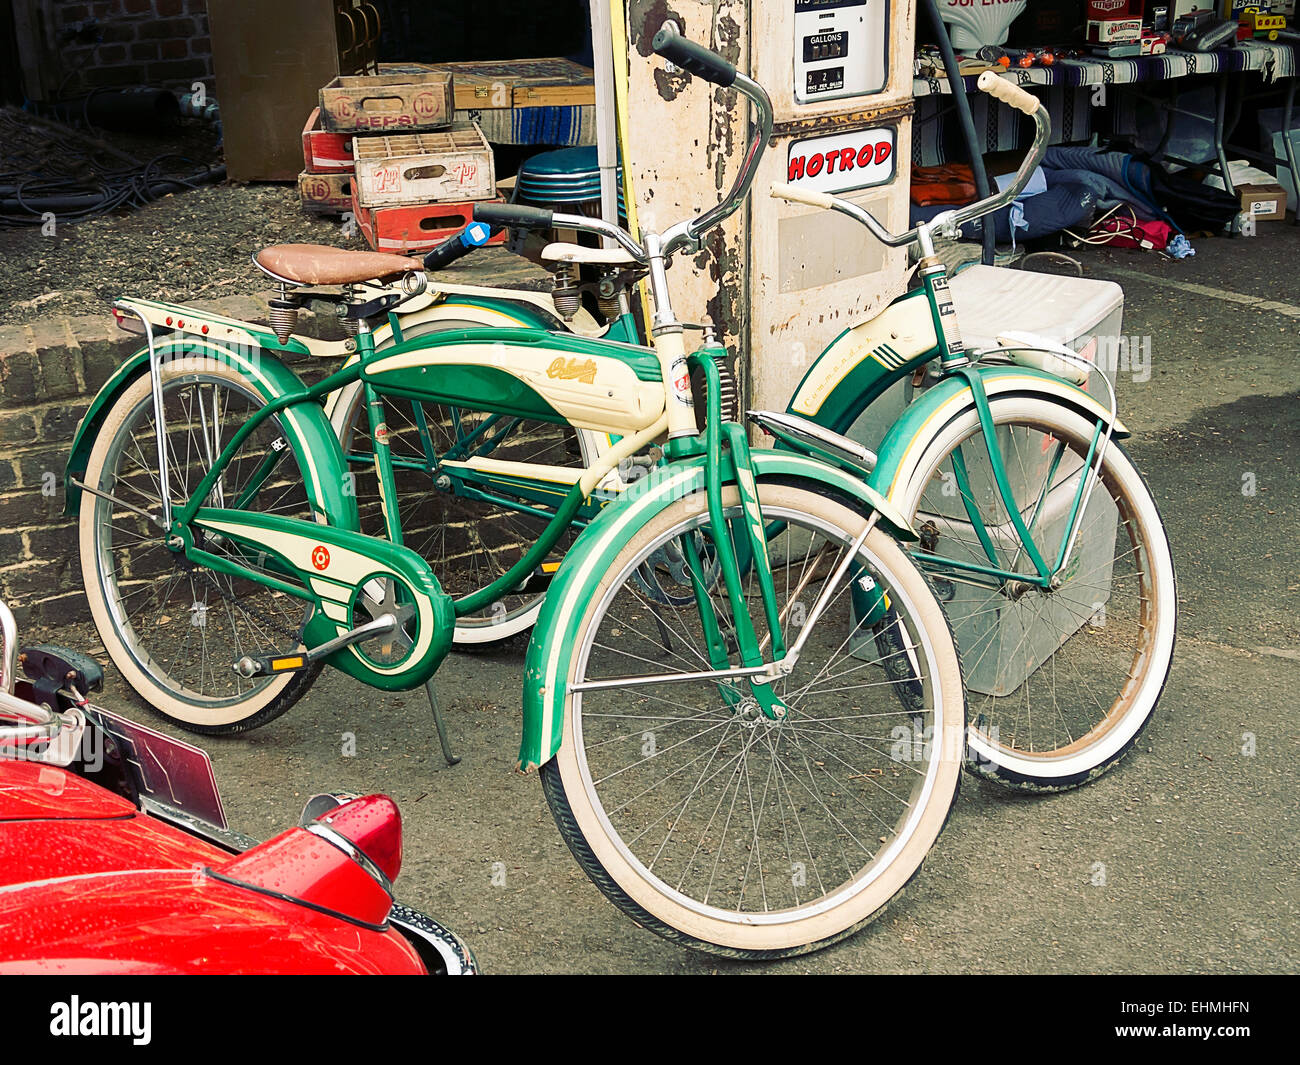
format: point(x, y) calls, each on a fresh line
point(349, 579)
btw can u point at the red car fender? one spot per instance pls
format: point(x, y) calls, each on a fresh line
point(90, 884)
point(177, 921)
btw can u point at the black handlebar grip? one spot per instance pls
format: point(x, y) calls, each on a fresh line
point(474, 235)
point(693, 57)
point(513, 214)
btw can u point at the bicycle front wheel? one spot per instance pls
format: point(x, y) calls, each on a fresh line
point(727, 830)
point(1061, 680)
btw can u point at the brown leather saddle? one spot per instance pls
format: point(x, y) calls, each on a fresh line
point(318, 264)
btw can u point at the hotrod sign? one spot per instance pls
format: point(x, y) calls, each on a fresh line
point(842, 162)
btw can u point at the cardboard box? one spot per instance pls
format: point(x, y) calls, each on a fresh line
point(1263, 202)
point(324, 152)
point(412, 229)
point(325, 193)
point(449, 166)
point(381, 103)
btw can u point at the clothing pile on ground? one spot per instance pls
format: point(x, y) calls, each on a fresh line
point(1095, 195)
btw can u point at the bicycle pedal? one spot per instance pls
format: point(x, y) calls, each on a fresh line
point(256, 666)
point(539, 580)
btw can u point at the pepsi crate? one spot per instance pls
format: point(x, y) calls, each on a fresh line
point(324, 152)
point(384, 103)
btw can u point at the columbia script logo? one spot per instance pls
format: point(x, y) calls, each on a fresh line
point(102, 1018)
point(573, 370)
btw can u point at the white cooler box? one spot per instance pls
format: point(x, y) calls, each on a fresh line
point(991, 300)
point(1002, 640)
point(1003, 646)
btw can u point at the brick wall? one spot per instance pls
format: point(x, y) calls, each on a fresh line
point(133, 42)
point(64, 362)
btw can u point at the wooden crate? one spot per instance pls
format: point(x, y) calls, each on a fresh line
point(324, 152)
point(491, 84)
point(380, 102)
point(450, 166)
point(325, 193)
point(411, 229)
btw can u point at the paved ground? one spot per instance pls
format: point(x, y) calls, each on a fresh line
point(1183, 859)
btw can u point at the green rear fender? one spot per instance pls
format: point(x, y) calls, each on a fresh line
point(555, 635)
point(304, 424)
point(937, 406)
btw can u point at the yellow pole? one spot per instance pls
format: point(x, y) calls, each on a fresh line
point(618, 29)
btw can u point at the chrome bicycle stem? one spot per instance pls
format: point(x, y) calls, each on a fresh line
point(688, 232)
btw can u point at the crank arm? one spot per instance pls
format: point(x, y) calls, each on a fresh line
point(250, 666)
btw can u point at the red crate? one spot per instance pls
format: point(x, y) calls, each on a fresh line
point(326, 193)
point(411, 228)
point(324, 152)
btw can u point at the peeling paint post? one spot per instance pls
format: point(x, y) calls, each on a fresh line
point(780, 280)
point(683, 151)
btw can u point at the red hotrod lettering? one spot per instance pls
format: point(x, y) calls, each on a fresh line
point(846, 158)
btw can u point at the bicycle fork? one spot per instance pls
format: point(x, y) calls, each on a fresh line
point(729, 461)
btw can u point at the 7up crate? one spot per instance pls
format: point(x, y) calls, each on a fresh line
point(451, 166)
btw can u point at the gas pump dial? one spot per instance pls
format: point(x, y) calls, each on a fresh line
point(840, 48)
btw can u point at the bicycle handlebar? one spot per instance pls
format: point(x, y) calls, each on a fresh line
point(711, 67)
point(513, 214)
point(692, 57)
point(1000, 89)
point(1010, 94)
point(474, 235)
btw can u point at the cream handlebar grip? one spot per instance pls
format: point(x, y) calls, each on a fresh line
point(782, 191)
point(1011, 95)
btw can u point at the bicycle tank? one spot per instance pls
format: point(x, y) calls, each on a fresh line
point(557, 377)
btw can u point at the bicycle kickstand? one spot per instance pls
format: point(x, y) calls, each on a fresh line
point(452, 759)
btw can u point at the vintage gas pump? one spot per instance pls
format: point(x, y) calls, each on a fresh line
point(780, 280)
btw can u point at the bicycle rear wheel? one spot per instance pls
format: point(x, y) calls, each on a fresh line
point(1061, 681)
point(173, 629)
point(714, 825)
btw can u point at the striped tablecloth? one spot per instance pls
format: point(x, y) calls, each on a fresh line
point(568, 127)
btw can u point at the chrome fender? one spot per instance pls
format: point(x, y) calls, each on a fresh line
point(951, 398)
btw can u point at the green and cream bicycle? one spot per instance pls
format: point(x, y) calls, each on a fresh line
point(1044, 541)
point(743, 697)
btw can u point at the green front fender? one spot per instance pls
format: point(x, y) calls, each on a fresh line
point(555, 636)
point(937, 406)
point(304, 424)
